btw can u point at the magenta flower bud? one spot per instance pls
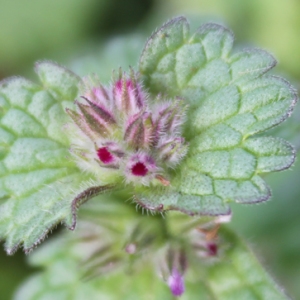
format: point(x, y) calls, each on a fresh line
point(96, 92)
point(128, 96)
point(80, 122)
point(170, 116)
point(138, 131)
point(176, 283)
point(172, 266)
point(119, 133)
point(97, 126)
point(101, 112)
point(100, 94)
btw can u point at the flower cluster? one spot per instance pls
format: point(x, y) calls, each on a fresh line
point(123, 134)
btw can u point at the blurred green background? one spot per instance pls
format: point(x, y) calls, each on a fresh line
point(75, 32)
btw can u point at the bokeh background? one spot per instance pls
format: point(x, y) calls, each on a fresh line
point(90, 35)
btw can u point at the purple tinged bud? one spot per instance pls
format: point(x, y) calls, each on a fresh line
point(95, 123)
point(138, 132)
point(101, 94)
point(94, 91)
point(172, 151)
point(125, 96)
point(140, 97)
point(101, 112)
point(134, 133)
point(176, 261)
point(176, 283)
point(80, 122)
point(126, 86)
point(139, 140)
point(170, 117)
point(128, 95)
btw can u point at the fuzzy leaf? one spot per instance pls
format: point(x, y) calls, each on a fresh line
point(235, 273)
point(230, 99)
point(38, 180)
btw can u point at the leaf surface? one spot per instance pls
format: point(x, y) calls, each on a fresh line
point(38, 179)
point(230, 99)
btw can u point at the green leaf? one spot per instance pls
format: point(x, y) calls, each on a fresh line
point(38, 179)
point(230, 99)
point(233, 274)
point(238, 274)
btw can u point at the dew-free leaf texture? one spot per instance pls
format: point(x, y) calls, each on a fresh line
point(38, 179)
point(231, 100)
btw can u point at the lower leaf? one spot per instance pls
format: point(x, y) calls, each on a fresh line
point(233, 273)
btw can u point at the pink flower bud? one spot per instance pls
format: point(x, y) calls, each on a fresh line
point(125, 135)
point(176, 283)
point(171, 151)
point(128, 96)
point(138, 131)
point(101, 95)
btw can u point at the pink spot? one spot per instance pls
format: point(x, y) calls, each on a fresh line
point(104, 155)
point(212, 249)
point(139, 169)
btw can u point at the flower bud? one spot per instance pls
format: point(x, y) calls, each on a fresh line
point(173, 265)
point(176, 283)
point(132, 137)
point(138, 132)
point(172, 151)
point(128, 95)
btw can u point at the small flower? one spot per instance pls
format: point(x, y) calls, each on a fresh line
point(172, 265)
point(121, 132)
point(176, 283)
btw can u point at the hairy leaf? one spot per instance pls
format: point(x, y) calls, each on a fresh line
point(38, 180)
point(230, 99)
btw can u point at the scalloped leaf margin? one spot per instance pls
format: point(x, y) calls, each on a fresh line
point(230, 99)
point(38, 179)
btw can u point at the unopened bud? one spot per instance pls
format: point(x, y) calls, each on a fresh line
point(138, 131)
point(172, 151)
point(176, 283)
point(137, 138)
